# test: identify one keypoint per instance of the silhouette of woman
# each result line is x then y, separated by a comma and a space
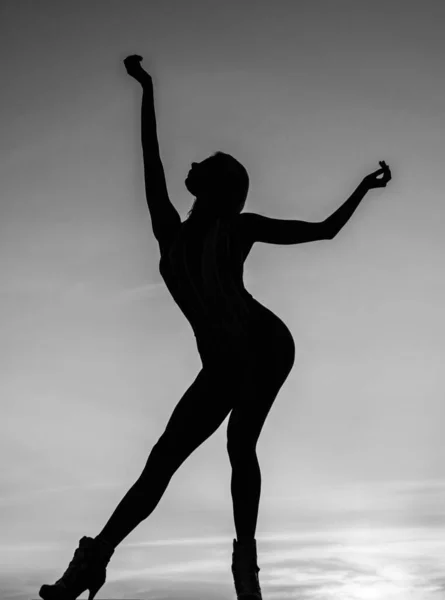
246, 351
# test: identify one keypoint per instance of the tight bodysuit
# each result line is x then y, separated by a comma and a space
203, 270
247, 353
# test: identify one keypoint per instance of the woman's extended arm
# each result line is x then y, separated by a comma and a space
258, 228
164, 216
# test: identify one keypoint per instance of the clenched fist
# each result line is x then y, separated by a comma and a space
134, 69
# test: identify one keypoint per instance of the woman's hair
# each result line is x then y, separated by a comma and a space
231, 182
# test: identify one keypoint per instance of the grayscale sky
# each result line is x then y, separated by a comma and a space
95, 354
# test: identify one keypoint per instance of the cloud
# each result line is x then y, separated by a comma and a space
26, 497
143, 292
352, 564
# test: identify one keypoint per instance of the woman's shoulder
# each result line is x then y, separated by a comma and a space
246, 224
243, 228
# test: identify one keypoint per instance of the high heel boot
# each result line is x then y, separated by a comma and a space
86, 571
245, 571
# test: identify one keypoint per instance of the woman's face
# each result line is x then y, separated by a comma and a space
203, 176
213, 182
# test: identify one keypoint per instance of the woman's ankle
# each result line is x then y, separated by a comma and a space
245, 541
104, 542
245, 544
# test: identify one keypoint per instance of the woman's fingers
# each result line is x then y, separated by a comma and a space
380, 177
385, 168
133, 63
132, 58
376, 173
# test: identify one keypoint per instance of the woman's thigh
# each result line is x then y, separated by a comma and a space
269, 365
243, 378
201, 410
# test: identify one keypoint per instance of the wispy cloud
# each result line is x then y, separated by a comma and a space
79, 290
351, 564
26, 497
144, 291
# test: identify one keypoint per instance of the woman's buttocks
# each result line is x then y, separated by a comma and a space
270, 332
262, 339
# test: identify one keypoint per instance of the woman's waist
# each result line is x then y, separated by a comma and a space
253, 322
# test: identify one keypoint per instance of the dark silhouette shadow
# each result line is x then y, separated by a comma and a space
247, 352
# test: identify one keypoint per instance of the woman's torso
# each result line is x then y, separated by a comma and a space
203, 269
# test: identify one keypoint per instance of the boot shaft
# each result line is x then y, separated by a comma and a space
245, 571
244, 552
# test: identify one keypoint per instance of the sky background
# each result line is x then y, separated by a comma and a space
95, 354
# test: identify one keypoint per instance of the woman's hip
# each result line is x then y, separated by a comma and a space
264, 342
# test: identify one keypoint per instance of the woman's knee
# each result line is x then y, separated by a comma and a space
241, 438
165, 457
241, 452
248, 417
172, 446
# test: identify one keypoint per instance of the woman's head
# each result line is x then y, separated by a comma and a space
220, 184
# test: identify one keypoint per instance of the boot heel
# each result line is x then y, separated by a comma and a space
95, 587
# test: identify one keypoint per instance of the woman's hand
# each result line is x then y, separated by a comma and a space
373, 180
134, 69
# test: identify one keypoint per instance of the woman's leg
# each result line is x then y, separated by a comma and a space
266, 377
196, 417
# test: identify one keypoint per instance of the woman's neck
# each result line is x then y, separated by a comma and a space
201, 215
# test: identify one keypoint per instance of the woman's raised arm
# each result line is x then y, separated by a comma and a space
164, 216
